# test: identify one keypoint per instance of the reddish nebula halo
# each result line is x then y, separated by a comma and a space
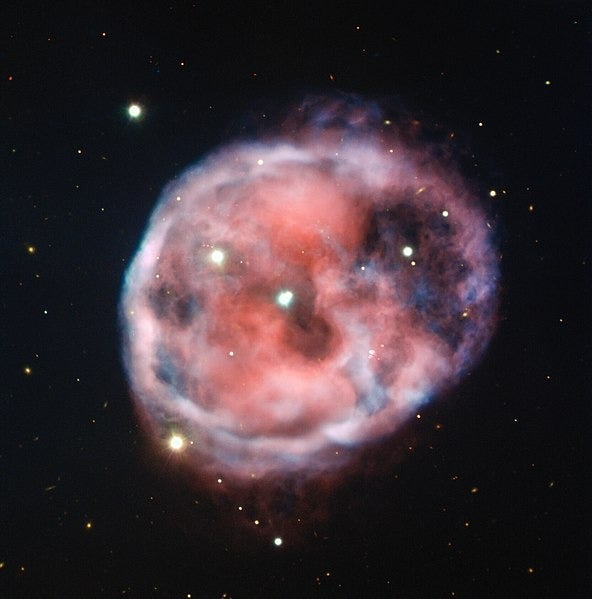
297, 298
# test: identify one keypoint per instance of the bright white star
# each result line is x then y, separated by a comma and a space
176, 442
284, 298
134, 111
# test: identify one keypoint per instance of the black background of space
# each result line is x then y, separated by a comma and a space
516, 430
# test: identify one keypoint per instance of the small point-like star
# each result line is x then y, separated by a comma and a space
284, 298
217, 256
134, 111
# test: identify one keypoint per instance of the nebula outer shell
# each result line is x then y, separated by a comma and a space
392, 278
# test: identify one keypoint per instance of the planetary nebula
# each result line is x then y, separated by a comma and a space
299, 297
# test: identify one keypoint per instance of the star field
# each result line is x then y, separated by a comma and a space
485, 492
